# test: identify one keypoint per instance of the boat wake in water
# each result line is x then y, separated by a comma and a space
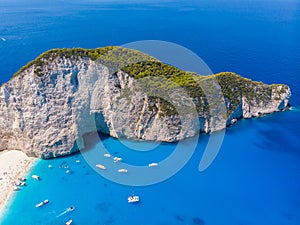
70, 209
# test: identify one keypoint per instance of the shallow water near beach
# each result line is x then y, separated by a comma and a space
255, 179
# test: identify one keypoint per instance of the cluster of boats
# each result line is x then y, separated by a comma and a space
46, 201
131, 199
20, 183
115, 159
118, 159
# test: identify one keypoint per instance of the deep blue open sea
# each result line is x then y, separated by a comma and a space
255, 179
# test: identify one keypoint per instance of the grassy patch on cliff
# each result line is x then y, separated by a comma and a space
111, 56
233, 86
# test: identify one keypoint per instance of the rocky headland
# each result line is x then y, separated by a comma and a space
50, 103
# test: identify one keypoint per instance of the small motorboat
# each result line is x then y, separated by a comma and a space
117, 159
22, 179
107, 155
50, 166
36, 177
19, 183
67, 210
153, 164
100, 166
69, 222
17, 188
233, 121
133, 199
42, 203
122, 171
77, 161
71, 208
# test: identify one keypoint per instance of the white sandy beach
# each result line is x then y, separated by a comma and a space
13, 165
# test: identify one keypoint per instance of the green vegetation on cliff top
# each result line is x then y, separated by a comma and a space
111, 56
143, 66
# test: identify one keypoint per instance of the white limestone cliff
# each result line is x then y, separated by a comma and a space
45, 116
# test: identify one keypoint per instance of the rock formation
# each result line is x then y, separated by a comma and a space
48, 106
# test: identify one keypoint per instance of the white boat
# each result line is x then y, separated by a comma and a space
100, 166
117, 159
122, 171
153, 164
77, 161
133, 199
69, 222
71, 208
50, 166
233, 121
42, 203
36, 177
17, 189
3, 39
19, 183
107, 155
22, 179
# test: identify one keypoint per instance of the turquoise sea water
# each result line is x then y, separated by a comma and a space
255, 179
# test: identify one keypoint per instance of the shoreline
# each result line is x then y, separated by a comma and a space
14, 164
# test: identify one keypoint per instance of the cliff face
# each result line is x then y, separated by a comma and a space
45, 115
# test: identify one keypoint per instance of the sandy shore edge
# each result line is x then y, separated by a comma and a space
13, 165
